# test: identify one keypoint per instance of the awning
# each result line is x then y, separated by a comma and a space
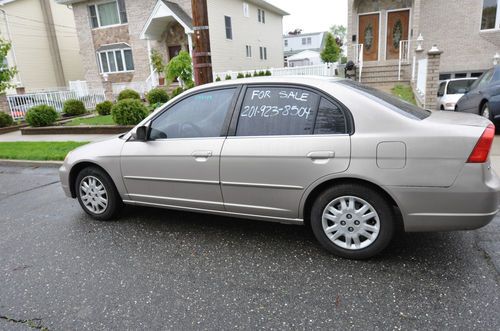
164, 13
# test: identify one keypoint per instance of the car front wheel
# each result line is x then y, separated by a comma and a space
97, 194
352, 221
485, 111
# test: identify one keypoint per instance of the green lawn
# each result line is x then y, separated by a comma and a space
37, 151
404, 92
97, 120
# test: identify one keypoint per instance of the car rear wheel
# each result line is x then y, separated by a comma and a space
352, 221
485, 111
97, 194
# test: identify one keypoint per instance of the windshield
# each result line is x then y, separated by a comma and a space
459, 86
396, 104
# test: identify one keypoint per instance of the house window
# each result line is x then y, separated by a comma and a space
490, 19
229, 28
286, 42
306, 41
261, 16
108, 13
263, 53
246, 10
249, 51
116, 60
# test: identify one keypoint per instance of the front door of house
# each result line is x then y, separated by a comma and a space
398, 26
173, 51
369, 35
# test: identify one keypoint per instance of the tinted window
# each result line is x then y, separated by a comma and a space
402, 107
483, 80
277, 111
330, 119
441, 88
200, 115
459, 86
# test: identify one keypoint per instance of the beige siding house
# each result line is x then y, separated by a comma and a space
116, 36
44, 43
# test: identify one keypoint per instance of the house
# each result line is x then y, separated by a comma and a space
116, 36
467, 32
305, 58
297, 43
44, 44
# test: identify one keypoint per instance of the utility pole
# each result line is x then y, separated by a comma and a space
202, 59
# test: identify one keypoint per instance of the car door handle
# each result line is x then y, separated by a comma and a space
321, 155
202, 154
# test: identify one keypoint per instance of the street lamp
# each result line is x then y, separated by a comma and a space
420, 41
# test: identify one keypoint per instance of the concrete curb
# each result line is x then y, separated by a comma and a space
27, 163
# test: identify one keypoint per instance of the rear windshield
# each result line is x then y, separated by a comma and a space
399, 106
459, 86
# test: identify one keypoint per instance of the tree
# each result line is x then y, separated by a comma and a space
295, 32
331, 52
6, 72
180, 67
339, 32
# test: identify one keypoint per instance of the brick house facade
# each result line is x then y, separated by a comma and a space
466, 31
116, 36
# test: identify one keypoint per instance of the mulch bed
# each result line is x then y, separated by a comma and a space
80, 129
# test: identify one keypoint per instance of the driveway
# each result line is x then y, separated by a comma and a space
158, 269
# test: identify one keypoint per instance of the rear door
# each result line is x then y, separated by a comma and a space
282, 140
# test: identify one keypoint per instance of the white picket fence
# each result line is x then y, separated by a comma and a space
20, 103
314, 70
421, 78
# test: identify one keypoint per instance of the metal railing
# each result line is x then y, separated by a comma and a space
19, 104
357, 58
404, 55
324, 69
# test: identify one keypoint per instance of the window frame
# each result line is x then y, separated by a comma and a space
350, 124
115, 58
497, 18
261, 15
246, 9
263, 53
225, 126
228, 28
248, 49
118, 12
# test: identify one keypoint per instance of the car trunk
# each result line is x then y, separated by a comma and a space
454, 118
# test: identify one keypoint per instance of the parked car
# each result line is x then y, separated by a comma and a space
451, 90
484, 96
353, 163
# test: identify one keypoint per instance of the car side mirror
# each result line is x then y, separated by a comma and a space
440, 94
140, 134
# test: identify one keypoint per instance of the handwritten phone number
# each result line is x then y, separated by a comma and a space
273, 111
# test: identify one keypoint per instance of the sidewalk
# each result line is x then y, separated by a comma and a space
16, 136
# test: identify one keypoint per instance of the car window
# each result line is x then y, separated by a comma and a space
483, 80
277, 111
459, 86
199, 115
395, 104
330, 119
441, 88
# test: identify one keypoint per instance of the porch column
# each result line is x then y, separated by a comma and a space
190, 43
151, 69
432, 84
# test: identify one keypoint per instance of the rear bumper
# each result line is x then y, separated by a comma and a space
470, 203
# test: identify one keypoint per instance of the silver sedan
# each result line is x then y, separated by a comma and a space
352, 163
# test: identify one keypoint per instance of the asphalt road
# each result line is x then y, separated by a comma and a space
157, 269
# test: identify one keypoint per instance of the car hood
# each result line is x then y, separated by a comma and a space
456, 118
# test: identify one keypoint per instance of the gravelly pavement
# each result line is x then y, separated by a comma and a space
157, 269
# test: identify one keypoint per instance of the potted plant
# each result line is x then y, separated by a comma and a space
158, 65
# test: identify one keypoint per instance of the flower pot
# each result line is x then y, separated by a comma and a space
161, 81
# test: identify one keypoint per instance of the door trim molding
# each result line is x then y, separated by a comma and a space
387, 27
379, 13
172, 180
276, 186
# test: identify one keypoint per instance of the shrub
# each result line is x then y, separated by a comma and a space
42, 115
129, 112
240, 75
217, 79
5, 120
128, 94
268, 73
180, 66
189, 85
255, 74
248, 75
157, 95
228, 77
73, 107
177, 91
104, 108
262, 73
152, 107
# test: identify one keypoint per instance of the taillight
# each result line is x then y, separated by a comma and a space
482, 150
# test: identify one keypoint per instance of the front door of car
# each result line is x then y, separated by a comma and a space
475, 96
179, 163
282, 140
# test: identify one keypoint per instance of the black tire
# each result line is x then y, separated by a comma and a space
114, 202
386, 220
485, 107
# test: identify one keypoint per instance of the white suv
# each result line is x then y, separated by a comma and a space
451, 90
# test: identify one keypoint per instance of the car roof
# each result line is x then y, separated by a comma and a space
456, 79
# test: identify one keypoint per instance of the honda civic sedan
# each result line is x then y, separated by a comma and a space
352, 163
